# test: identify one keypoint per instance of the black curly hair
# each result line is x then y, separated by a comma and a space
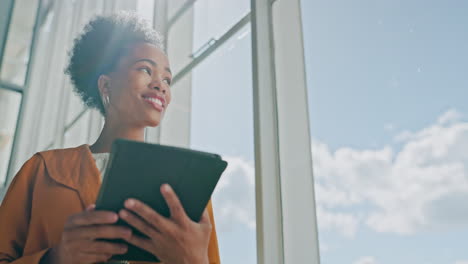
98, 49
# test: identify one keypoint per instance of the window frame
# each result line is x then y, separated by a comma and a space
276, 194
40, 15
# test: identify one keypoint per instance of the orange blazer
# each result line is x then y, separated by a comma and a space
50, 187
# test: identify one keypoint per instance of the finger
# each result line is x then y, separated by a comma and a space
88, 218
101, 247
99, 231
93, 258
173, 202
144, 243
205, 218
90, 207
147, 213
140, 224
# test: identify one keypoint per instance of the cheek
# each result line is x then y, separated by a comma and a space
134, 84
169, 97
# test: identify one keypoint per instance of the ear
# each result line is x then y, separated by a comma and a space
104, 85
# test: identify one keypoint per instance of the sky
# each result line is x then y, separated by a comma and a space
387, 85
387, 90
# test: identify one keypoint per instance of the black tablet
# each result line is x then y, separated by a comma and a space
138, 169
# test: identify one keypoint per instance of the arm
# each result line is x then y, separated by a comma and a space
15, 213
77, 244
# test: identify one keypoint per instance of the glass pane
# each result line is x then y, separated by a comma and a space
222, 122
9, 109
78, 133
387, 94
174, 6
145, 9
16, 56
74, 107
179, 39
213, 18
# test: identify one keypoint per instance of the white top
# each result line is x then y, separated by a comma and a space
101, 162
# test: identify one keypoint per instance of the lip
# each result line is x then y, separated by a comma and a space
155, 105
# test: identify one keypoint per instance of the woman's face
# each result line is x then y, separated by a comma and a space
139, 88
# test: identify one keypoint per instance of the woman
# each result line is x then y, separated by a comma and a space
47, 216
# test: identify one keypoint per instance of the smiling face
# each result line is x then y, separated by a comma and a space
139, 88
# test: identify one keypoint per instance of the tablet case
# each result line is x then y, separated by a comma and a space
138, 169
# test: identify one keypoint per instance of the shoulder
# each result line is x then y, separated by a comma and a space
63, 157
50, 159
64, 152
63, 164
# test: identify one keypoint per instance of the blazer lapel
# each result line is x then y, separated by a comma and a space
76, 169
89, 179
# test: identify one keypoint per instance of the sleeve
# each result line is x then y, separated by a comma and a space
213, 250
15, 212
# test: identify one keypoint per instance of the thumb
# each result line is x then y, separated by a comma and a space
90, 207
205, 218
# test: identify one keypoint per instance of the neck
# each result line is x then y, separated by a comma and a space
111, 131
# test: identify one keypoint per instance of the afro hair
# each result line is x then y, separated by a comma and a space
98, 49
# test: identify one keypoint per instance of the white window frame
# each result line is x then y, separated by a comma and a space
285, 200
285, 203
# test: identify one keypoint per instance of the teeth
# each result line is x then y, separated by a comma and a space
155, 100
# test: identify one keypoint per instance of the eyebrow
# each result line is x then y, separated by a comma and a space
152, 62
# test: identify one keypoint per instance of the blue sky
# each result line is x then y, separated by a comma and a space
387, 84
377, 62
376, 69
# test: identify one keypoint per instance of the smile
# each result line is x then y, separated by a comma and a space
155, 102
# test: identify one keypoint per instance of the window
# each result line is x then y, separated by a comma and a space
213, 18
9, 107
222, 122
16, 33
16, 54
387, 94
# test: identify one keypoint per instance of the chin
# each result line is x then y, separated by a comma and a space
153, 123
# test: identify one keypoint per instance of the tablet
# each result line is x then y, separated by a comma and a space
138, 169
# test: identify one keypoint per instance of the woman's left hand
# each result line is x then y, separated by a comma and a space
175, 240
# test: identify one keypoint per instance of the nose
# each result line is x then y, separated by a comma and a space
158, 88
157, 85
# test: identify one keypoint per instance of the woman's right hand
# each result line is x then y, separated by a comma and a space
78, 243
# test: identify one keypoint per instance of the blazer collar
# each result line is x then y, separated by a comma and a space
75, 168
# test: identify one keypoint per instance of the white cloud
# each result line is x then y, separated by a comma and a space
461, 262
345, 223
425, 185
449, 117
234, 197
366, 260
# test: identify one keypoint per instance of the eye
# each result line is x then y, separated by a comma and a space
146, 69
167, 81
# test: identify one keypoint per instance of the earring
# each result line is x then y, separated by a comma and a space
106, 101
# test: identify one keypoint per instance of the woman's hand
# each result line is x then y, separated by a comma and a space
175, 240
78, 243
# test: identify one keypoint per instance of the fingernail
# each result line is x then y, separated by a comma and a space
130, 203
123, 248
166, 187
113, 217
123, 213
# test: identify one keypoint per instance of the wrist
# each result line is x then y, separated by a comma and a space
202, 260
